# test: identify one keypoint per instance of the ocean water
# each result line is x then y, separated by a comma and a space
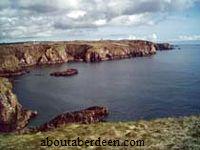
163, 85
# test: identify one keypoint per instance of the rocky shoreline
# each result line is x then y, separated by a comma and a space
13, 116
16, 58
87, 116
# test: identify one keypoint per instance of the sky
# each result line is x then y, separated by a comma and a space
48, 20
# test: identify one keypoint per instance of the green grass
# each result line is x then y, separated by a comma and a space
5, 85
167, 133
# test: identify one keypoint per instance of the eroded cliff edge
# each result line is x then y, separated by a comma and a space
13, 116
15, 57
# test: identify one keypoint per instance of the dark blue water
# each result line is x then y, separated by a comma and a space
166, 84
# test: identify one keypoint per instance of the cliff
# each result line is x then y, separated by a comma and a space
12, 116
15, 57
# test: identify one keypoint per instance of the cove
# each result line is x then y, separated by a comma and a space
163, 85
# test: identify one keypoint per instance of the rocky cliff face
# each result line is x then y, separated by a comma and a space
109, 50
15, 57
12, 116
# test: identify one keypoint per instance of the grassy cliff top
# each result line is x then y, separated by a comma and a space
168, 133
5, 85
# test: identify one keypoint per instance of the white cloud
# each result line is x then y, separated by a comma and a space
29, 18
154, 37
100, 22
132, 37
151, 37
76, 14
189, 37
136, 19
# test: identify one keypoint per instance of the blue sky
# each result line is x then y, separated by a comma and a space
155, 20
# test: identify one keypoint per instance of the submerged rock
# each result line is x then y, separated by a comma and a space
12, 116
86, 116
68, 72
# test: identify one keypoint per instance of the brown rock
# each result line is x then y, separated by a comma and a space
9, 73
29, 59
68, 72
86, 116
12, 116
163, 46
77, 50
42, 60
93, 57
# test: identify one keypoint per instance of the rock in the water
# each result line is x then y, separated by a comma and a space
12, 116
68, 72
9, 73
86, 116
163, 46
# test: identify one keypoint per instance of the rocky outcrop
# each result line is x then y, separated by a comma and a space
110, 50
86, 116
68, 72
12, 116
93, 57
10, 73
163, 46
76, 51
15, 57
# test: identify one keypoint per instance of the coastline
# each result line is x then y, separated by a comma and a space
16, 58
157, 133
